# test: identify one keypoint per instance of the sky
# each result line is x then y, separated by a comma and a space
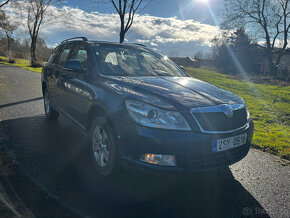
173, 27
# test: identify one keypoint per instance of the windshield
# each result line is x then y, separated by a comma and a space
115, 60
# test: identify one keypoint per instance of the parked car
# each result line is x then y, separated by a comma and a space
141, 110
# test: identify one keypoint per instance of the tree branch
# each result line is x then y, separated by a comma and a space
277, 30
115, 6
129, 7
4, 3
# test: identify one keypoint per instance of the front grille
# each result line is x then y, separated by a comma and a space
219, 121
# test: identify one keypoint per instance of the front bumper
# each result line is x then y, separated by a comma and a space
192, 150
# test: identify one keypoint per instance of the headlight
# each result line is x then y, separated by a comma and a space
148, 115
248, 113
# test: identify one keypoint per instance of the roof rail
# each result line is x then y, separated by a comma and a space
138, 44
83, 38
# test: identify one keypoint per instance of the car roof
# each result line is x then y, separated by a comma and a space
94, 42
115, 43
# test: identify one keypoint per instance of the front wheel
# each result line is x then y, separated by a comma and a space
102, 147
50, 113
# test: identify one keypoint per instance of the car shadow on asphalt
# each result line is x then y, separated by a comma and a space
55, 177
20, 102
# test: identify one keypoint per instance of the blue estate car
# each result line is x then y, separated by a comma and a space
141, 110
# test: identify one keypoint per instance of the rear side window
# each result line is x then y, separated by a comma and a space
79, 53
63, 54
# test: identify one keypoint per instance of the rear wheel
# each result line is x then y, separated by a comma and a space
102, 147
50, 113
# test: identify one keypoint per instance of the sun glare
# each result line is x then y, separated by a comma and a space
203, 1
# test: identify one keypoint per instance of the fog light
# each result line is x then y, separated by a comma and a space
159, 159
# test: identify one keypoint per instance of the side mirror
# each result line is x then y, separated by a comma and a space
182, 68
74, 65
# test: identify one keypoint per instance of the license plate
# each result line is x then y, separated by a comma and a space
228, 143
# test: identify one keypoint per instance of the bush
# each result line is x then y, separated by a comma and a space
11, 61
37, 65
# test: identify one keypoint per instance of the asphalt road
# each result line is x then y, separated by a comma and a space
53, 176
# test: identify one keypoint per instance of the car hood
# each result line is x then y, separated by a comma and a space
180, 92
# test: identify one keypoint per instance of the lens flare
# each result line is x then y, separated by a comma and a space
203, 1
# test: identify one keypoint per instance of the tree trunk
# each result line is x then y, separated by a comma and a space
32, 53
122, 36
122, 29
280, 55
272, 67
8, 47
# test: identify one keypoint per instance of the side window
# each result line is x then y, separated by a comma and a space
62, 56
79, 53
52, 55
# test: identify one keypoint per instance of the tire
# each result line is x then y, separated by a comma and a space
50, 113
103, 148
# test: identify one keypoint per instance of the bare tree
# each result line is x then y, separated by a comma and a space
129, 8
8, 29
34, 12
4, 3
268, 19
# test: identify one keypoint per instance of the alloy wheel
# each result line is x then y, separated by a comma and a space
46, 103
100, 146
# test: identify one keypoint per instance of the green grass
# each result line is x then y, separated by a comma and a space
20, 63
269, 106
